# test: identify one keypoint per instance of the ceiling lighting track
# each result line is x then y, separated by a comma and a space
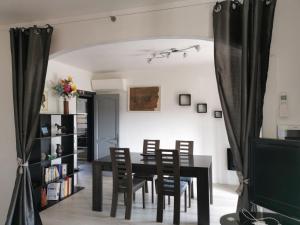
167, 53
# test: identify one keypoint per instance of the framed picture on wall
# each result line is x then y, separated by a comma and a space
218, 114
185, 99
144, 99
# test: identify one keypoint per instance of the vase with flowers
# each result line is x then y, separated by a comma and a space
66, 89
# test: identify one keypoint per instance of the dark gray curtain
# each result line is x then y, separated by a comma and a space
30, 53
242, 36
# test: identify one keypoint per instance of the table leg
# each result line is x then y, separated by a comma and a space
203, 197
97, 187
211, 185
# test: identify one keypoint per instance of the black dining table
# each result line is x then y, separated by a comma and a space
198, 166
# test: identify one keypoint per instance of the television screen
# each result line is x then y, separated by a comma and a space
275, 175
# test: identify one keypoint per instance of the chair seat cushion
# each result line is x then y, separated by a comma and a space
183, 186
169, 186
137, 183
186, 179
148, 177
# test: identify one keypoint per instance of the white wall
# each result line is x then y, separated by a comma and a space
284, 73
175, 122
57, 71
8, 156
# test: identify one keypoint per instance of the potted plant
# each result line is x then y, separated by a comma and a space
66, 89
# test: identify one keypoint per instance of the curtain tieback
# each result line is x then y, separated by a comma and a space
21, 165
243, 181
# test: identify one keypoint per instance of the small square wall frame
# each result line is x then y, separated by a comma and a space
218, 114
185, 100
201, 108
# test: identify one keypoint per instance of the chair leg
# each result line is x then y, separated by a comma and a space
169, 200
185, 201
125, 200
128, 205
143, 193
114, 203
176, 216
146, 186
152, 191
159, 214
133, 197
192, 189
164, 202
190, 193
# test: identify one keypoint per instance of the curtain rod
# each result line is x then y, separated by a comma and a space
136, 13
107, 15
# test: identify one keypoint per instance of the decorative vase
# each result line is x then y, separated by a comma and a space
66, 106
59, 150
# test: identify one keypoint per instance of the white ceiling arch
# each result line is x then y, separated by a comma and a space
132, 55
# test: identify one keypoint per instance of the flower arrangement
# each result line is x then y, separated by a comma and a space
66, 88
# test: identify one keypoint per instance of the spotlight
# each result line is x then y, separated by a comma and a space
197, 47
168, 55
149, 60
184, 55
113, 19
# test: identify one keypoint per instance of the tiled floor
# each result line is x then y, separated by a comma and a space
77, 210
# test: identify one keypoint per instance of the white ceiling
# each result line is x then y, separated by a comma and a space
133, 55
25, 11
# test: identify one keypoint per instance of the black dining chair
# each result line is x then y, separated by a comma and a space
123, 182
168, 182
186, 148
149, 147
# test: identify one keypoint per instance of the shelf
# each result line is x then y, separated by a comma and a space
56, 180
83, 137
61, 157
49, 160
59, 135
51, 203
61, 114
44, 145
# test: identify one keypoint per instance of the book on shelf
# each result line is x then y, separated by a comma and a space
53, 191
43, 197
51, 174
66, 187
55, 172
64, 169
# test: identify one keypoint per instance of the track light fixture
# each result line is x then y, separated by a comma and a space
167, 53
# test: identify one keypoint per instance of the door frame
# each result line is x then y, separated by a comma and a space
96, 155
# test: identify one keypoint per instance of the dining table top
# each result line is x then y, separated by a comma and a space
192, 161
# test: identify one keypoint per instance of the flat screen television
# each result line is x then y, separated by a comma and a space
275, 176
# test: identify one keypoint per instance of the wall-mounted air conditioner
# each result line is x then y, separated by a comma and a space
109, 85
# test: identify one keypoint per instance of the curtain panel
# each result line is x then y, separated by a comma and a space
30, 52
242, 39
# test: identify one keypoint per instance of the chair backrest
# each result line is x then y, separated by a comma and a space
150, 146
185, 147
121, 168
168, 171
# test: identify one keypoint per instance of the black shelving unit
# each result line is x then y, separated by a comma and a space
82, 139
85, 125
45, 145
